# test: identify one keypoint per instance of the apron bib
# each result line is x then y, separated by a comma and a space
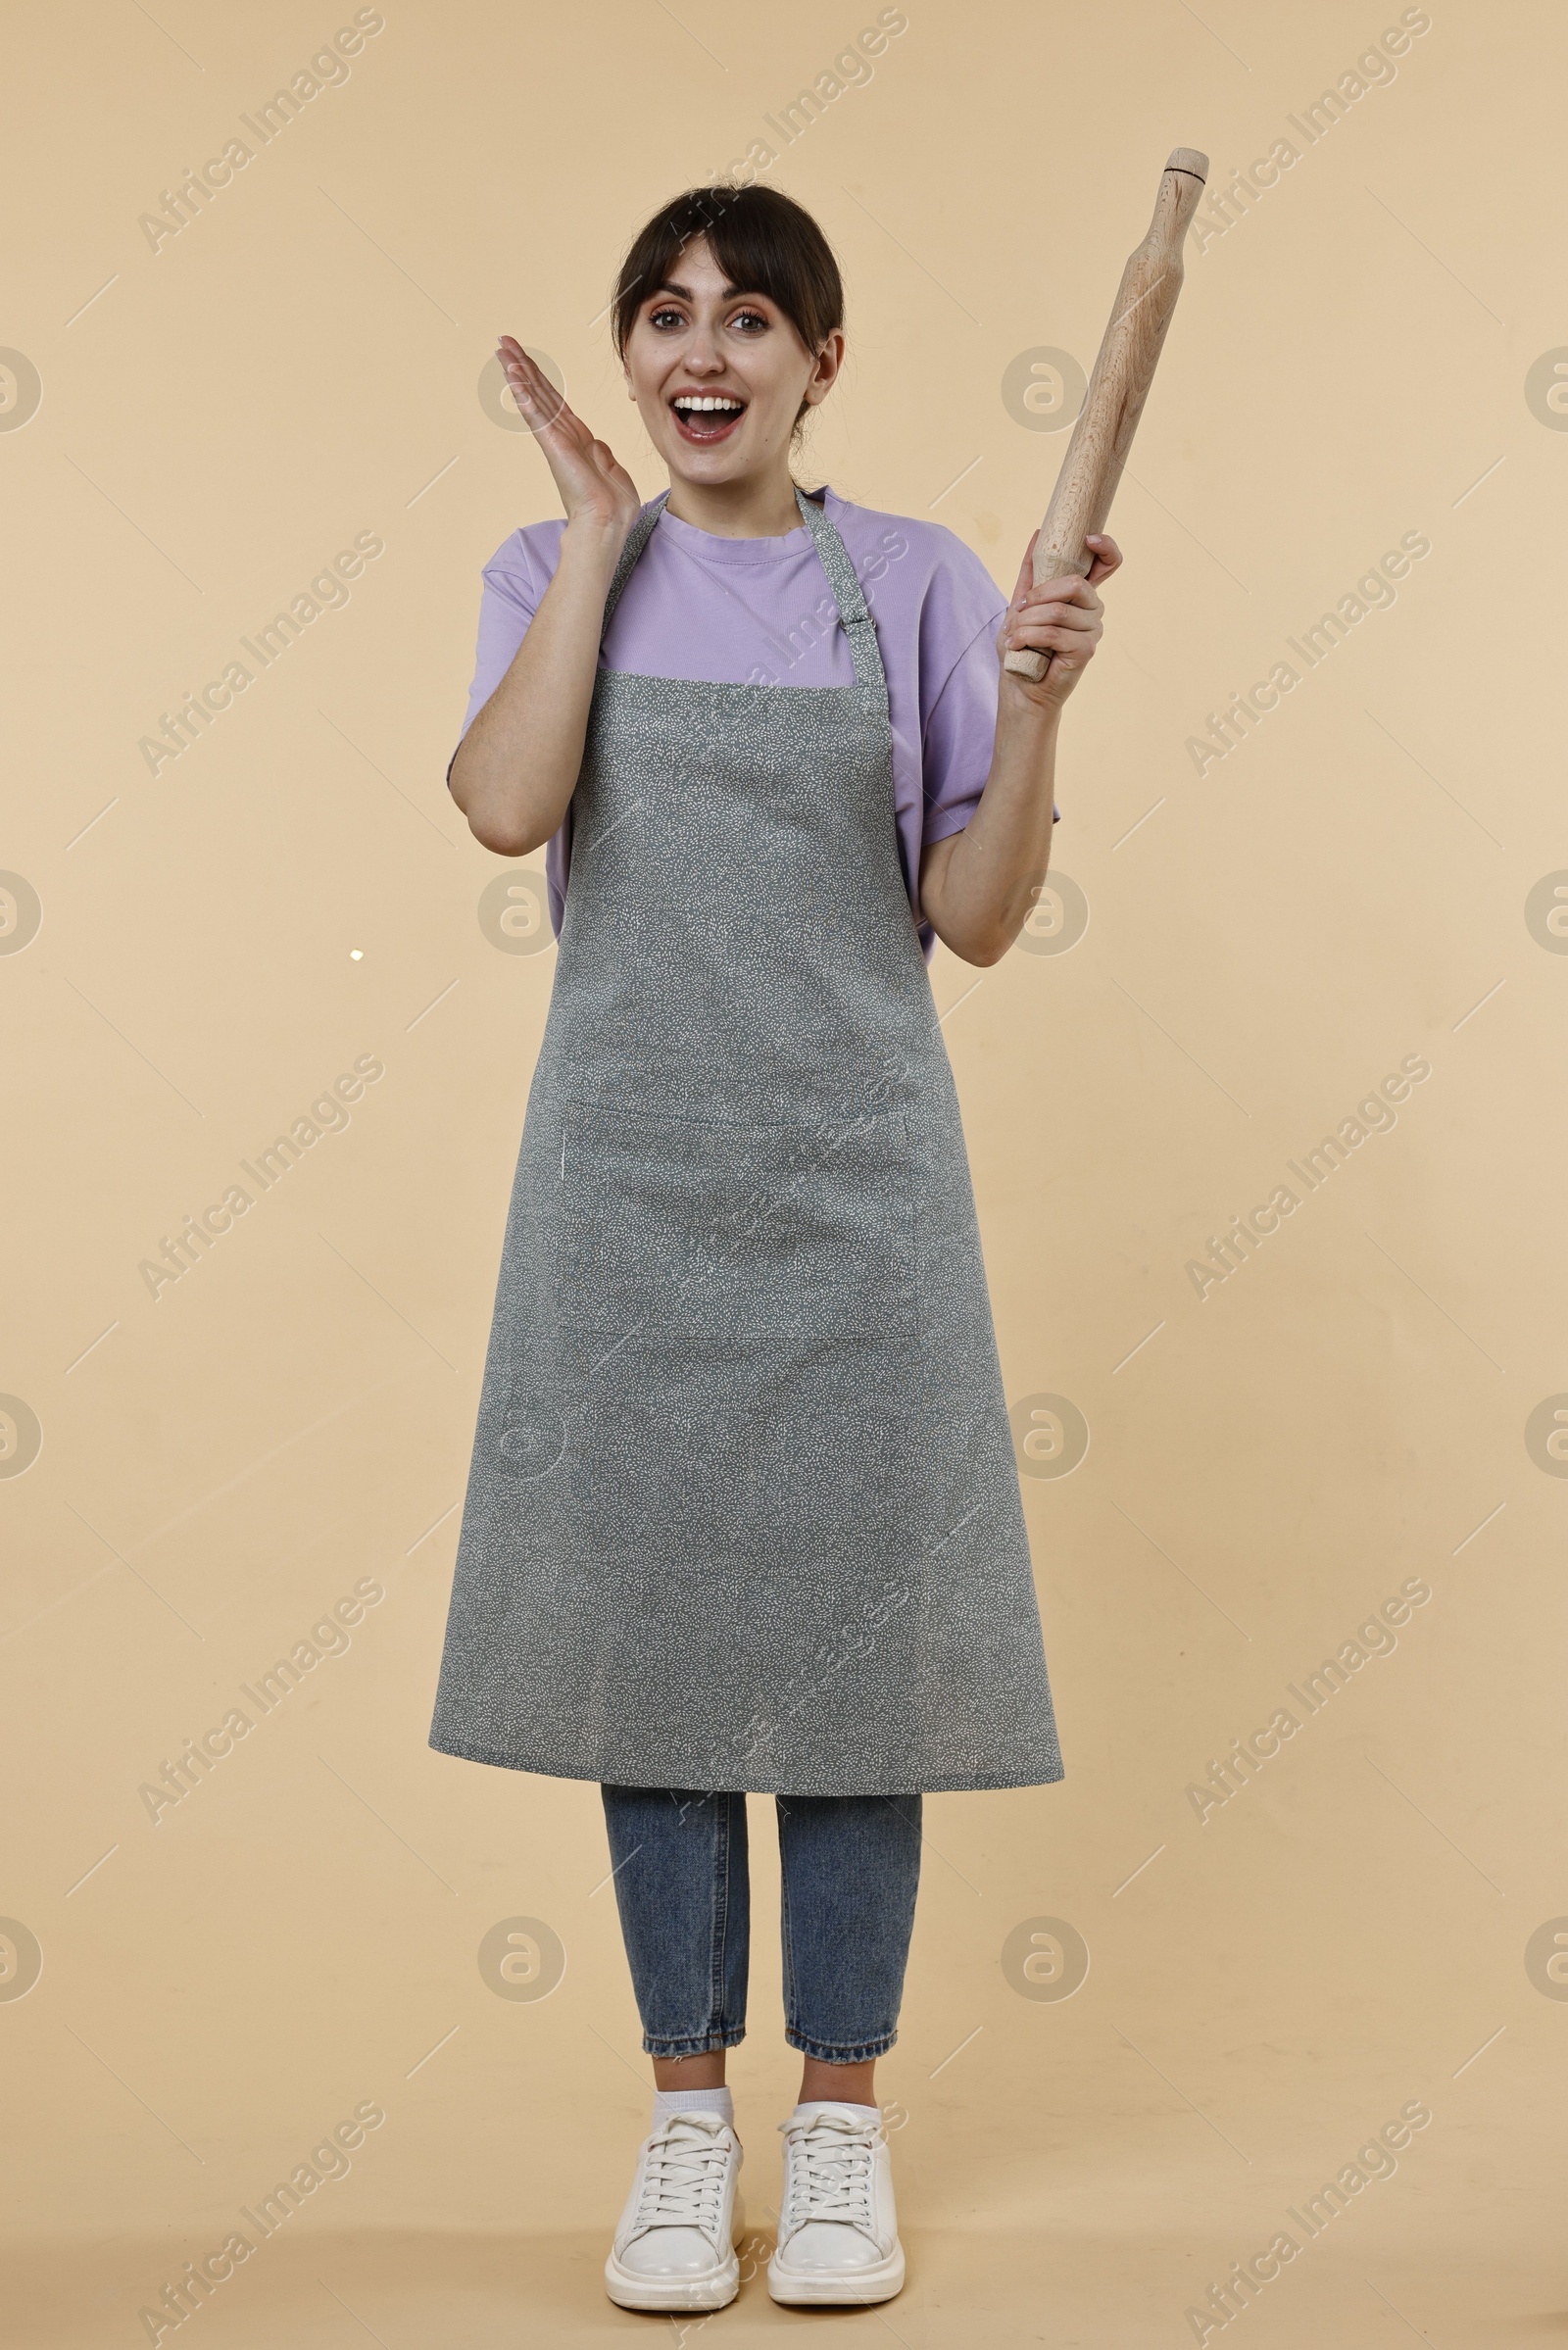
742, 1511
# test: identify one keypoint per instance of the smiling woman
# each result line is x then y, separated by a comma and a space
743, 1512
760, 244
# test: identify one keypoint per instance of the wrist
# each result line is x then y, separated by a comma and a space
1024, 706
591, 543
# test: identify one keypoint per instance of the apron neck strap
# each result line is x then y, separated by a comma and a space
865, 654
858, 626
637, 539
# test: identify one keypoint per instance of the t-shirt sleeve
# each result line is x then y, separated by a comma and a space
961, 720
513, 589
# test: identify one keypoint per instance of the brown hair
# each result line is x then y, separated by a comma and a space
764, 242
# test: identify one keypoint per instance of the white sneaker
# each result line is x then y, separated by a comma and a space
674, 2247
838, 2233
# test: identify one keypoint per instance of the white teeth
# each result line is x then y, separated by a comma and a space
687, 400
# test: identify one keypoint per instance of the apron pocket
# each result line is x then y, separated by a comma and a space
731, 1240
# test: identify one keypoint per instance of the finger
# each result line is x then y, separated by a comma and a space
1068, 663
539, 405
537, 398
1107, 559
1070, 588
527, 379
517, 362
508, 349
1041, 636
1066, 616
1080, 600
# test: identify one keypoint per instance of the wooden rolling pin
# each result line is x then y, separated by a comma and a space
1080, 502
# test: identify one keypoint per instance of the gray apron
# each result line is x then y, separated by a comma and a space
742, 1511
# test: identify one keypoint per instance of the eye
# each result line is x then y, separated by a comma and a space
666, 317
752, 321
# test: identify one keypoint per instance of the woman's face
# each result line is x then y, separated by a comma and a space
699, 339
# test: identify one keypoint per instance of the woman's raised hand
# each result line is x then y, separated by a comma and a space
595, 489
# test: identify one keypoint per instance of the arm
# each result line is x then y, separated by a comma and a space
978, 886
516, 768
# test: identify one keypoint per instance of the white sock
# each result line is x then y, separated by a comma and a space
835, 2105
694, 2102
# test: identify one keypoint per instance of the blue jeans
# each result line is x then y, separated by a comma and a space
849, 1865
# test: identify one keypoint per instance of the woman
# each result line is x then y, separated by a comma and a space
742, 1511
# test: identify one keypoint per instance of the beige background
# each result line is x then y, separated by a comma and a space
1266, 1464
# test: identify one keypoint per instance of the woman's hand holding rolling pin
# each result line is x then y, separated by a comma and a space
597, 490
1063, 617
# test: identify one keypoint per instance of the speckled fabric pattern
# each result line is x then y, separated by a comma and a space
742, 1510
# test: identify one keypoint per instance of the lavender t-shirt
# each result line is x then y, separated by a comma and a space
759, 612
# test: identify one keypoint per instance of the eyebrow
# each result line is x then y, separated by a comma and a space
732, 293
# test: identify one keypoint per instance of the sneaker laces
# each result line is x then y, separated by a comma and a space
830, 2170
683, 2174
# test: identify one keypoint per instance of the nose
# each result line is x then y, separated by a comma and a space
701, 354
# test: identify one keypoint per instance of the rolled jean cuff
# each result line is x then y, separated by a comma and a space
693, 2045
826, 2053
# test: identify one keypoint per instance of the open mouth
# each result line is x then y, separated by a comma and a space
704, 417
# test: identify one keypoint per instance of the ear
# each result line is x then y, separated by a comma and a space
825, 368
